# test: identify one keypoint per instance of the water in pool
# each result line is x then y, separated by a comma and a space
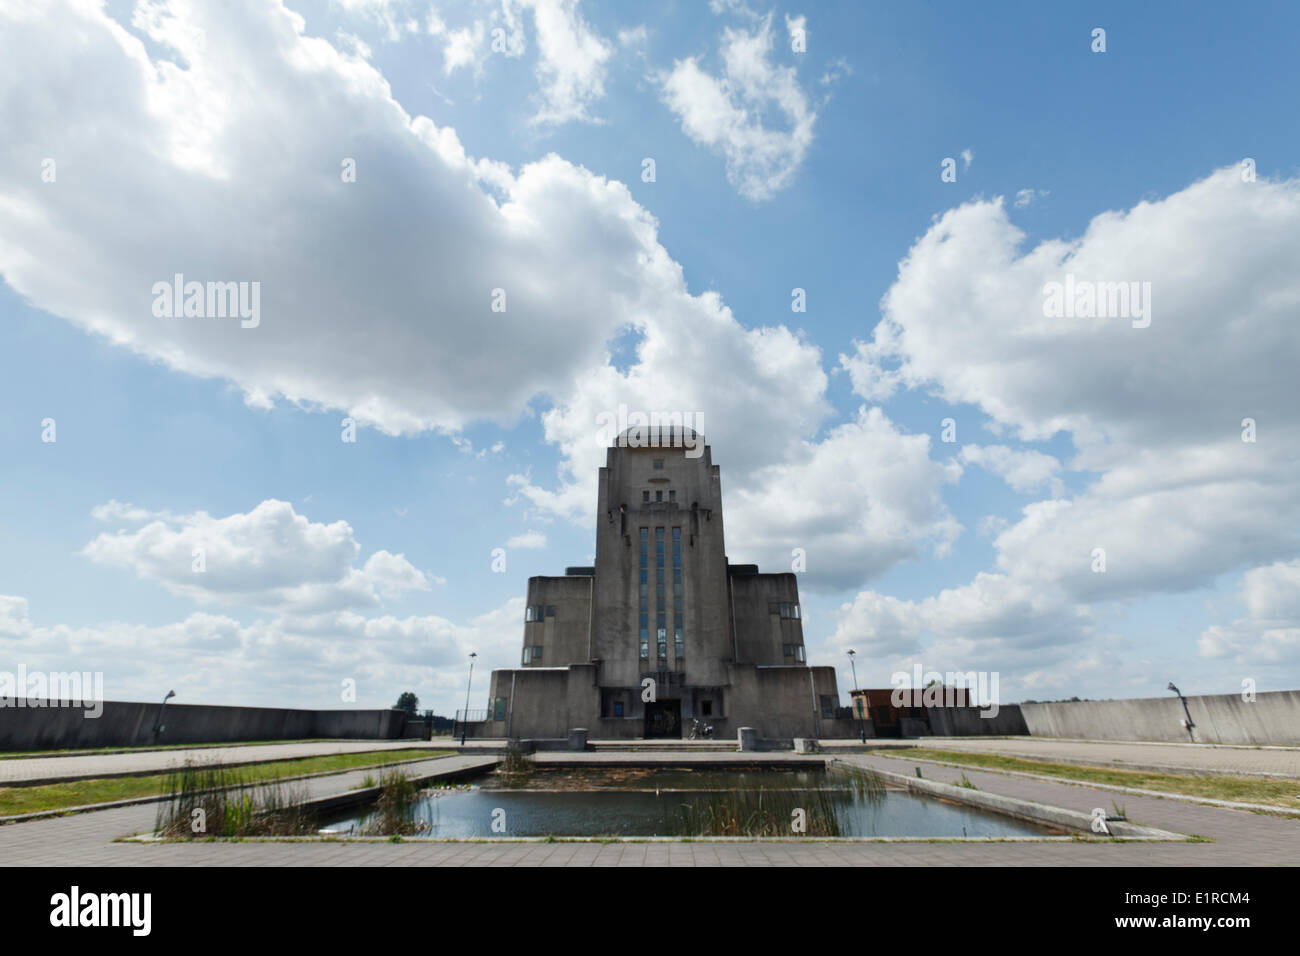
668, 802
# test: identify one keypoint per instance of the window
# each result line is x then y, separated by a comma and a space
645, 496
672, 496
534, 612
532, 654
659, 496
828, 707
550, 610
659, 464
798, 653
706, 708
499, 708
528, 655
679, 646
784, 609
537, 653
618, 708
645, 648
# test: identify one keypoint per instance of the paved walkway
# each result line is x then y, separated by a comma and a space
84, 766
1241, 838
1176, 758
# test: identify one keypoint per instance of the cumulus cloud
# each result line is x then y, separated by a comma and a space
1269, 633
733, 113
1157, 412
287, 661
527, 540
1023, 470
271, 558
376, 295
571, 62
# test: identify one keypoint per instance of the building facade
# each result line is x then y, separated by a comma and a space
662, 630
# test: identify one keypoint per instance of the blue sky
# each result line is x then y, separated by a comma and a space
821, 173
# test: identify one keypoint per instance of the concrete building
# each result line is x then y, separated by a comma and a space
663, 630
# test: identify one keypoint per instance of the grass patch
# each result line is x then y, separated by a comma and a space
73, 793
1272, 791
209, 800
770, 813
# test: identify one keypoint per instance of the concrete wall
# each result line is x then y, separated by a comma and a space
125, 724
967, 722
1272, 719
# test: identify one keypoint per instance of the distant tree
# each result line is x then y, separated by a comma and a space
408, 702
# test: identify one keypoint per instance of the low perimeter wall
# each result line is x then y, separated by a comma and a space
24, 726
1271, 719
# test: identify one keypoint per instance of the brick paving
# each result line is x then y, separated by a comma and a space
1240, 837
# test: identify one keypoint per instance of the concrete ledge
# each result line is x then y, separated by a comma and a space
1022, 809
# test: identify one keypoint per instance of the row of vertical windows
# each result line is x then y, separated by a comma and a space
661, 595
532, 654
659, 496
537, 612
784, 609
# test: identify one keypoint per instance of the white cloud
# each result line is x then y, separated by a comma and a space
571, 62
1024, 470
386, 312
967, 157
270, 557
288, 661
730, 113
1270, 631
529, 539
1179, 498
1026, 196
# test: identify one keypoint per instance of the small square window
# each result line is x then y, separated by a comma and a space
618, 708
550, 610
706, 708
659, 464
645, 650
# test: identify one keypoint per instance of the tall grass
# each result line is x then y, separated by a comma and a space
516, 767
395, 808
773, 813
209, 800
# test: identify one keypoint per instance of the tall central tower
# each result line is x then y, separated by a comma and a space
662, 630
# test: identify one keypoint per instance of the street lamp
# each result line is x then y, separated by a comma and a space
861, 703
1187, 712
158, 724
464, 724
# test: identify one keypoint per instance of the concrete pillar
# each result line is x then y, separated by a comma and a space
578, 738
747, 738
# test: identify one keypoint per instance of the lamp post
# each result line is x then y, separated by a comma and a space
861, 704
465, 717
1188, 713
158, 724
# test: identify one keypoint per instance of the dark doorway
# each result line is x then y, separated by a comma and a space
663, 718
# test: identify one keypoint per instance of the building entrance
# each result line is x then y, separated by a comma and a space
663, 718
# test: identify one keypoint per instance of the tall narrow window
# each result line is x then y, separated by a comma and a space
644, 607
680, 648
661, 614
